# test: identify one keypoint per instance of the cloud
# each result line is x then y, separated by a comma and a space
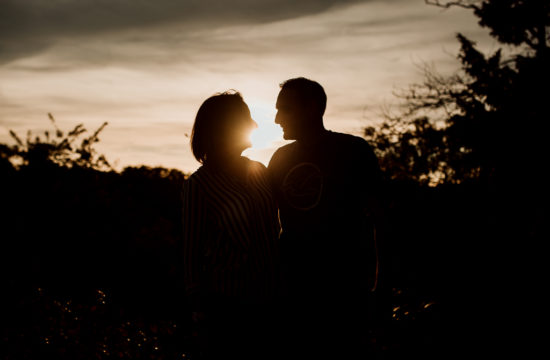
29, 26
148, 81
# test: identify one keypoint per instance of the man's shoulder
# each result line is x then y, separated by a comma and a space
353, 149
285, 148
282, 153
349, 145
349, 139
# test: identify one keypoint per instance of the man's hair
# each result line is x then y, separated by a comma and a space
308, 90
212, 122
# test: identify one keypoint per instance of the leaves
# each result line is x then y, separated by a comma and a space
61, 150
16, 138
460, 127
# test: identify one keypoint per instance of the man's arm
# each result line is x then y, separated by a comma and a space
375, 207
372, 199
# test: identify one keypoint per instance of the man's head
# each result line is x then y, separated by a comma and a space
300, 107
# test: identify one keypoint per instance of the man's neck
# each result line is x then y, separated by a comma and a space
313, 135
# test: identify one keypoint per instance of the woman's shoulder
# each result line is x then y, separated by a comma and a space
254, 166
197, 177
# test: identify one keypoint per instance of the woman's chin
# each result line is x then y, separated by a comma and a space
246, 144
242, 148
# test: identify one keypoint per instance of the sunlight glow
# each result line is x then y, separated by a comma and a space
268, 136
267, 132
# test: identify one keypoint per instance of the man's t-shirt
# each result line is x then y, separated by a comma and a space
324, 191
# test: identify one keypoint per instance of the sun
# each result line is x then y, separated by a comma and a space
267, 131
268, 136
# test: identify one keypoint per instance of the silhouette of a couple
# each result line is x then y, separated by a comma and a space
278, 261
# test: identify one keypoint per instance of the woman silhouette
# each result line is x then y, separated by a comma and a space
231, 227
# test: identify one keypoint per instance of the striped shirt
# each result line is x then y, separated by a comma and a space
230, 234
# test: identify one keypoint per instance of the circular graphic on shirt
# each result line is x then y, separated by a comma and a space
302, 186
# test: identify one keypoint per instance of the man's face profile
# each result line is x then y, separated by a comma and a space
289, 114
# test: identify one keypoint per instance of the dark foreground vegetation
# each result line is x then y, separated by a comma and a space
89, 255
90, 259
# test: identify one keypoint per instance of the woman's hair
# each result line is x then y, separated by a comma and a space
213, 121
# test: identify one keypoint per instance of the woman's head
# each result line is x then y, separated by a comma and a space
222, 125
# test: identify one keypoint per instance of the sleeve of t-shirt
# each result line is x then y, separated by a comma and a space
272, 172
371, 177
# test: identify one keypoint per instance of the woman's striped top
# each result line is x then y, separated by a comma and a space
230, 234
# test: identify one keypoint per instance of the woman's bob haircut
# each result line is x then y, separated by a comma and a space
213, 122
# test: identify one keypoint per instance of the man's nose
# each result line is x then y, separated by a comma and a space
277, 118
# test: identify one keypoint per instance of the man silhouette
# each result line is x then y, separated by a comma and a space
326, 184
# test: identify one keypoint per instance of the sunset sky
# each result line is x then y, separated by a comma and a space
146, 66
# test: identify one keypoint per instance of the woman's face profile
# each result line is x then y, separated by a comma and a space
239, 128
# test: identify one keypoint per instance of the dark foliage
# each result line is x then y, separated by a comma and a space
486, 122
478, 139
90, 262
89, 256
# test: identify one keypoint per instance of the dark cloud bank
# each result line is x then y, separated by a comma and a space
29, 26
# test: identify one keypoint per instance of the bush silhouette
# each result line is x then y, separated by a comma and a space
89, 253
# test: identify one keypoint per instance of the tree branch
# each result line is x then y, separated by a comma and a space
461, 3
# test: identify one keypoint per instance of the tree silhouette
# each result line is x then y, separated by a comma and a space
88, 265
479, 135
484, 122
61, 149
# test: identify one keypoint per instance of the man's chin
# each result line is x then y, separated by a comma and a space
288, 136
